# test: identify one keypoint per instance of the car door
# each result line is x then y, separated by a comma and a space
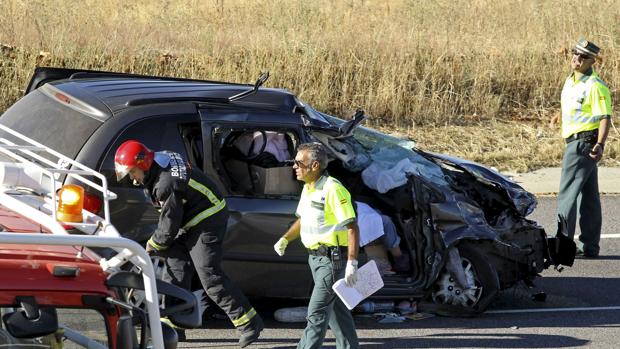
257, 218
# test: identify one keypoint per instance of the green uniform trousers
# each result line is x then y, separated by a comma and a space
579, 192
326, 308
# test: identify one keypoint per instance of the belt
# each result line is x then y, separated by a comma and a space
324, 250
590, 136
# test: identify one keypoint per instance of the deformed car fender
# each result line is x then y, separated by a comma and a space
449, 218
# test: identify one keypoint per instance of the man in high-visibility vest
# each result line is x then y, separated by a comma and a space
191, 228
586, 118
329, 231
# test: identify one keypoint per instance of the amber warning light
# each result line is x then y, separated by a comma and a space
70, 203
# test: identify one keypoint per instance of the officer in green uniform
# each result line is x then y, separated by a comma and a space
586, 113
329, 231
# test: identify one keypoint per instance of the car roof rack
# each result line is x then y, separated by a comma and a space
224, 100
145, 101
29, 153
88, 74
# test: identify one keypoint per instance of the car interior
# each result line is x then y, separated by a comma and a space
396, 205
259, 162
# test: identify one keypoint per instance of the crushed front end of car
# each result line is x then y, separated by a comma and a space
464, 223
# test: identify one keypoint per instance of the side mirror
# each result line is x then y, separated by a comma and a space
348, 127
562, 249
30, 321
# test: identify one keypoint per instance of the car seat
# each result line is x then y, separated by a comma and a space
259, 162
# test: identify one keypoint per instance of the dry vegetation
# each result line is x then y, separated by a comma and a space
473, 78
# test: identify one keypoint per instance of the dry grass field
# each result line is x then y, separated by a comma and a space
474, 78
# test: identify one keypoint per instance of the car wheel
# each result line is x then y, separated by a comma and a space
454, 299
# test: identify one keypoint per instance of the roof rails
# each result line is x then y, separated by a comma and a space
224, 100
87, 74
30, 154
145, 101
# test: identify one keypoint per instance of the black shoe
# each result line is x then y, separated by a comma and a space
590, 255
250, 335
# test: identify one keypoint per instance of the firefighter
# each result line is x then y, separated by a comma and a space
191, 228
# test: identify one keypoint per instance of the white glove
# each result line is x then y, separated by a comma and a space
280, 246
350, 274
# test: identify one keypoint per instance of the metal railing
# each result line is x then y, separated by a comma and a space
31, 153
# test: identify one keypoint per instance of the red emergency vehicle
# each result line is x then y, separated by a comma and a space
57, 290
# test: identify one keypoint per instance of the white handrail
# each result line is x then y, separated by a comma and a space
108, 236
10, 149
148, 272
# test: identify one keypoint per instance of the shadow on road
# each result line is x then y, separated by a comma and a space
495, 340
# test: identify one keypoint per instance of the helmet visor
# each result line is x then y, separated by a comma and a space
121, 171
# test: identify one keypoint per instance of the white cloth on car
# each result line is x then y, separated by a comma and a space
382, 177
369, 223
276, 144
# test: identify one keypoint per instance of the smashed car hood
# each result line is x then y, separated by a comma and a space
524, 201
385, 162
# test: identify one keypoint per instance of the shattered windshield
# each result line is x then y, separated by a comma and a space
369, 138
385, 161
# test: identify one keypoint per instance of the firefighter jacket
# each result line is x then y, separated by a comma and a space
187, 198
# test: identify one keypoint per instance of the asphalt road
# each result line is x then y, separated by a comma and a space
582, 309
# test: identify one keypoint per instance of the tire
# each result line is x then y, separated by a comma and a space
453, 300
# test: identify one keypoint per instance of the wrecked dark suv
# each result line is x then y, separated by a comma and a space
463, 225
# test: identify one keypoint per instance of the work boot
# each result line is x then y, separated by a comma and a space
252, 332
401, 263
590, 255
179, 330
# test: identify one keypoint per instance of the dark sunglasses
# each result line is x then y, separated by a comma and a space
300, 164
580, 55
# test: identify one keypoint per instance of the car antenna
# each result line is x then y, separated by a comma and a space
261, 80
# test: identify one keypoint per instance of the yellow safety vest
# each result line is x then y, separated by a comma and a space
585, 103
325, 210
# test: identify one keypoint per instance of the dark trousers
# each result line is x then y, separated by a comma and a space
579, 193
325, 308
200, 249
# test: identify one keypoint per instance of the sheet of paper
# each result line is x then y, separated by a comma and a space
368, 282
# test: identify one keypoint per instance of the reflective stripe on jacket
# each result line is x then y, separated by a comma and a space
585, 103
187, 197
325, 211
218, 204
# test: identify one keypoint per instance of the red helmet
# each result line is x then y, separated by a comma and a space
132, 154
